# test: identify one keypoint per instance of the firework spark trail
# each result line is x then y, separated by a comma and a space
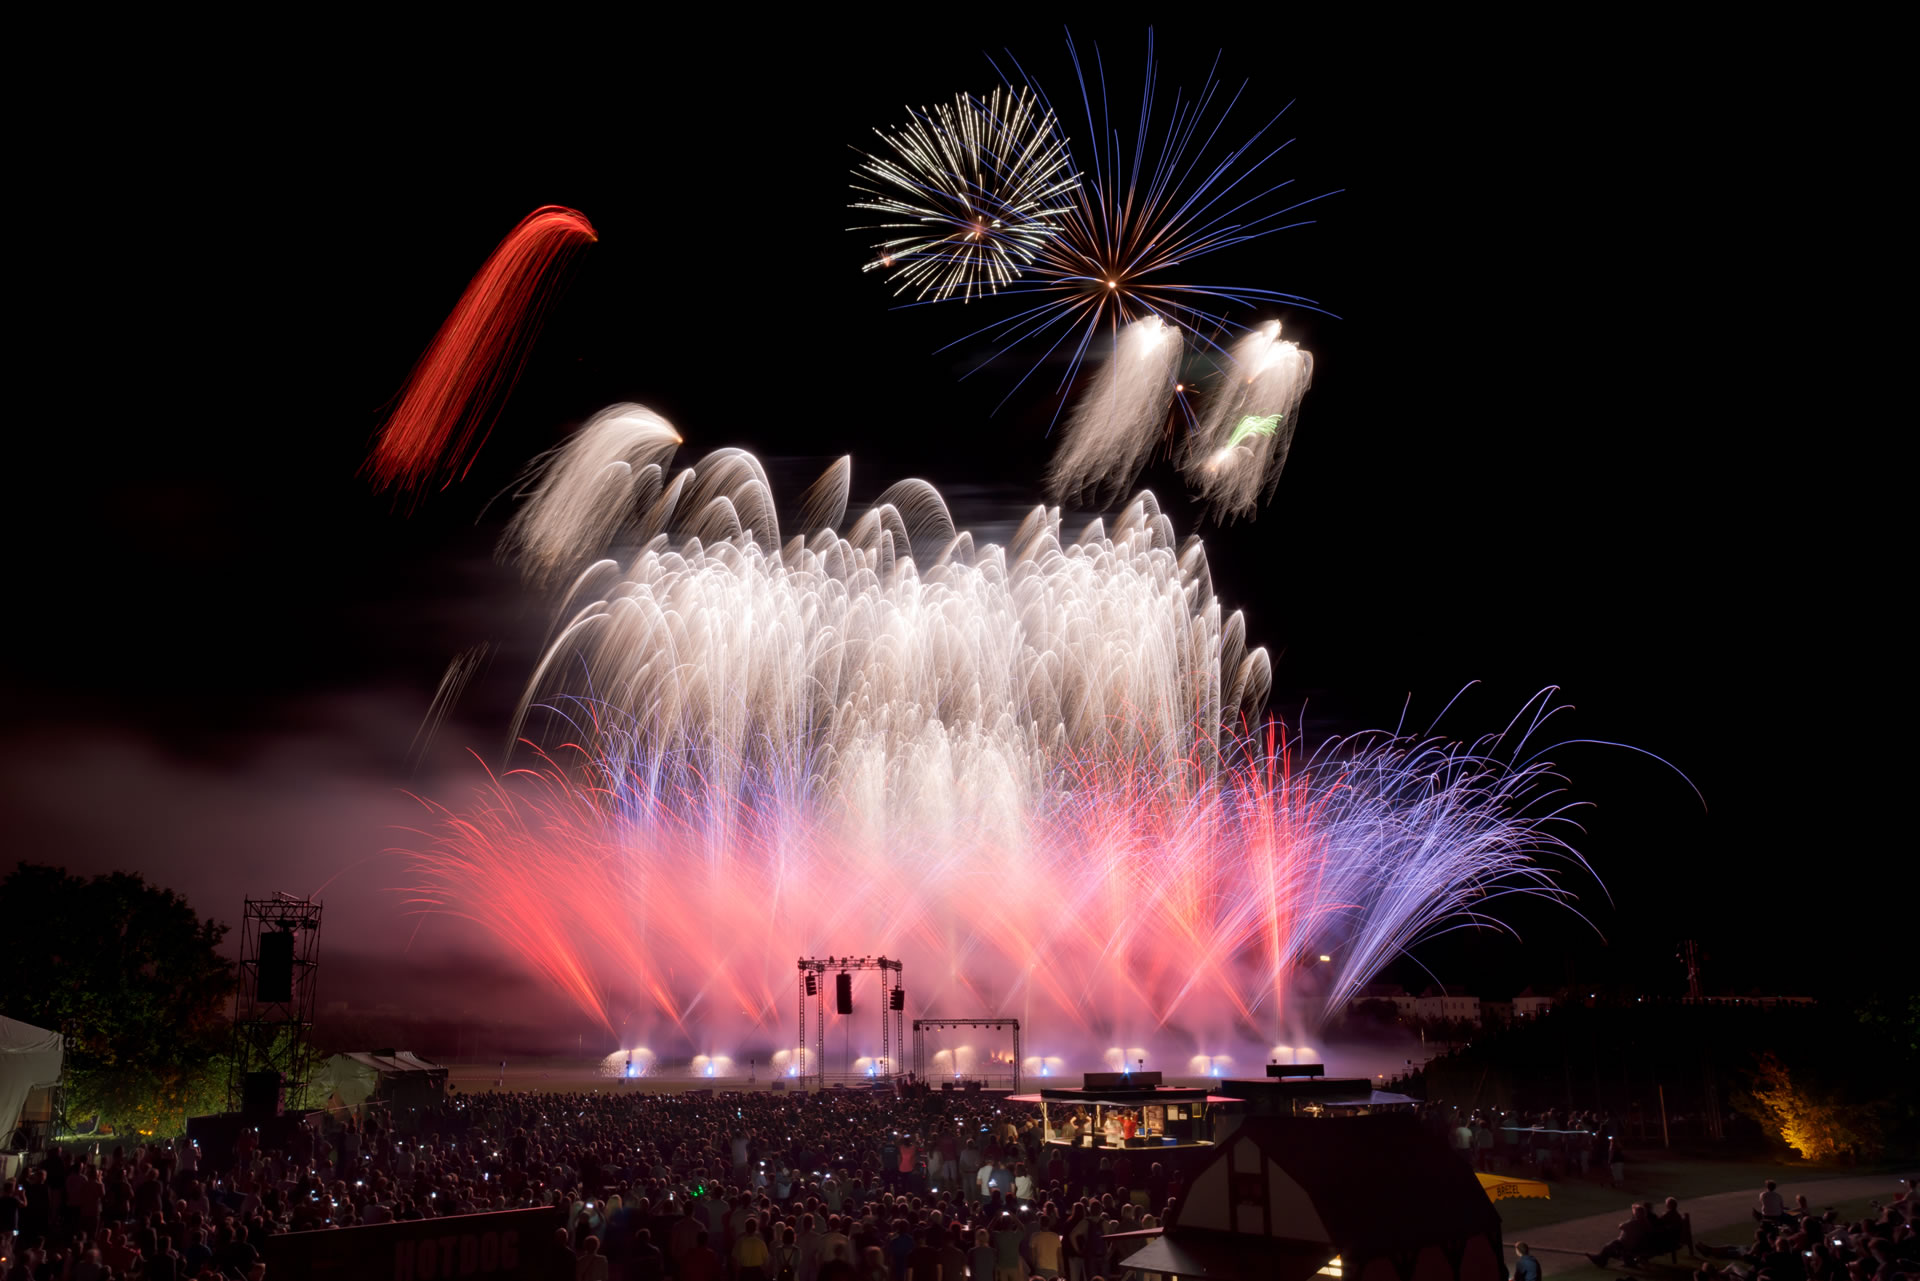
976, 188
1017, 765
836, 662
456, 391
1235, 453
1116, 910
588, 486
1120, 417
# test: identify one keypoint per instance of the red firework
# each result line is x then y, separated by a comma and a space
457, 389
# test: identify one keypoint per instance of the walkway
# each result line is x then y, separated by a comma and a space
1562, 1247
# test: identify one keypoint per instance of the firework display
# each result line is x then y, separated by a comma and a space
969, 194
1036, 771
1234, 454
456, 390
1039, 771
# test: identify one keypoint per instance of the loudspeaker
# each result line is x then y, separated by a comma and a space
275, 981
813, 985
260, 1094
897, 1000
843, 993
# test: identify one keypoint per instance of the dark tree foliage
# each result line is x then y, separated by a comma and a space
1846, 1065
133, 977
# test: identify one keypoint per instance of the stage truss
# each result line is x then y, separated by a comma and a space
920, 1027
270, 1034
893, 1038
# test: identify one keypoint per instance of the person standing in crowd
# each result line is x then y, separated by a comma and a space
750, 1254
981, 1258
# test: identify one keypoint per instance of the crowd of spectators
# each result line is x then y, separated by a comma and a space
833, 1186
1546, 1145
1793, 1243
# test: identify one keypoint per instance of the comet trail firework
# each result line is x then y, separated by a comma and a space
1233, 456
1121, 415
454, 393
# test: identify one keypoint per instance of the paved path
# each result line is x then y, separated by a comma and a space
1562, 1247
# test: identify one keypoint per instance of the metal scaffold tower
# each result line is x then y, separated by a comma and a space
813, 1013
273, 1008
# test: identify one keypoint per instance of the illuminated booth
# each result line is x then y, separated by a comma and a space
1295, 1198
1126, 1110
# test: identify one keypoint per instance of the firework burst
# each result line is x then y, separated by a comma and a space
1140, 220
969, 194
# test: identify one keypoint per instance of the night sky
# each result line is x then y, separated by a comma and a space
1519, 463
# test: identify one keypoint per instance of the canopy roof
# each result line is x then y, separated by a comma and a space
30, 1057
392, 1062
1327, 1181
1225, 1256
1122, 1098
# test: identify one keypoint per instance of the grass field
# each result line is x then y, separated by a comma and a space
1730, 1233
1681, 1177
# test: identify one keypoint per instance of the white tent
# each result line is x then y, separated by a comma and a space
352, 1079
29, 1059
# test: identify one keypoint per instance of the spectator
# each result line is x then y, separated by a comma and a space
1007, 1240
1043, 1248
785, 1263
648, 1261
592, 1265
1631, 1243
923, 1261
700, 1263
1525, 1266
750, 1254
981, 1259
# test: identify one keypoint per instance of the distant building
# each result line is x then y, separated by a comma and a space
1496, 1012
1752, 999
1403, 1001
1436, 1006
1531, 1004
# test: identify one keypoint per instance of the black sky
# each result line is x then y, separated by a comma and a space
1524, 461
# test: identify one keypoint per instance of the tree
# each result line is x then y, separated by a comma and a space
1813, 1121
134, 978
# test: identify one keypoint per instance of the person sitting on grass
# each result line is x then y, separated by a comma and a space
1631, 1245
1526, 1267
1670, 1229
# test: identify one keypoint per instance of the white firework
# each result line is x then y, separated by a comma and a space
969, 193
